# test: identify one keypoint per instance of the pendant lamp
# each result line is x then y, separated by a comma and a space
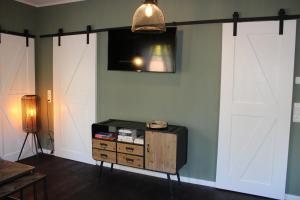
148, 18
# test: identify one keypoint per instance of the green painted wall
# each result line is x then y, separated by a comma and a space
189, 97
15, 16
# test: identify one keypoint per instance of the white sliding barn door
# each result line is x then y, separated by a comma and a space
17, 78
74, 92
255, 108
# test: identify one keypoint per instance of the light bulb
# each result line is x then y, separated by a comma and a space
138, 61
148, 10
30, 112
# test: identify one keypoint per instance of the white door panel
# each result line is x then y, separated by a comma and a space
255, 108
17, 78
74, 87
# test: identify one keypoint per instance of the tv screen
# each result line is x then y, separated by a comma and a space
142, 52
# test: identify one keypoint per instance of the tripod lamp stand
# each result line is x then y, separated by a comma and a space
30, 121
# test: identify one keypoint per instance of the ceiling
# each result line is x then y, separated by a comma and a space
41, 3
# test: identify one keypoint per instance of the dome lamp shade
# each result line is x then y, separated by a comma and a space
148, 18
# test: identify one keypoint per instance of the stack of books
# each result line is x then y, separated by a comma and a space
106, 136
130, 136
126, 135
139, 140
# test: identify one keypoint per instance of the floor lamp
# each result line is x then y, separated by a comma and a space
30, 120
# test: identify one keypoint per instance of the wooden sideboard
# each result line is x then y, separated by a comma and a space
164, 150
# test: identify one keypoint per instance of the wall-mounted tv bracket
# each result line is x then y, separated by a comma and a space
26, 33
282, 17
88, 31
60, 33
236, 17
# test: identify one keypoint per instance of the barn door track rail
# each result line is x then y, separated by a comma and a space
25, 34
235, 20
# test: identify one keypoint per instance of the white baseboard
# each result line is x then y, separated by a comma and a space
291, 197
14, 156
199, 182
162, 175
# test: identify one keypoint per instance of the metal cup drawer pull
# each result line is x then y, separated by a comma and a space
129, 149
103, 145
132, 149
129, 160
103, 156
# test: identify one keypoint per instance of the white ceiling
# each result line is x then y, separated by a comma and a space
41, 3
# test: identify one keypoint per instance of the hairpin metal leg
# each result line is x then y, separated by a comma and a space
170, 185
23, 146
178, 178
100, 172
45, 189
111, 167
21, 194
34, 192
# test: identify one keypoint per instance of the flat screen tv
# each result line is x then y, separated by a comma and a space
142, 52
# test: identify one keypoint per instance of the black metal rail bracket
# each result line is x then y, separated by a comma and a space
236, 17
60, 33
282, 17
26, 34
88, 31
22, 34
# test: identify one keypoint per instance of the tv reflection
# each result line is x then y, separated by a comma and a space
157, 58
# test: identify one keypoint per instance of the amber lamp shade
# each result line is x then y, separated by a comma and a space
30, 113
148, 18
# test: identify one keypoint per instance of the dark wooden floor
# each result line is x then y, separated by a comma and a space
74, 180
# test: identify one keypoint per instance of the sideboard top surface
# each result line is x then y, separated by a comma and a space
135, 125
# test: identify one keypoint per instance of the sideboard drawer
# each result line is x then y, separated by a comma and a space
130, 160
104, 144
106, 156
131, 149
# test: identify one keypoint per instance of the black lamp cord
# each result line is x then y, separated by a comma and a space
48, 129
